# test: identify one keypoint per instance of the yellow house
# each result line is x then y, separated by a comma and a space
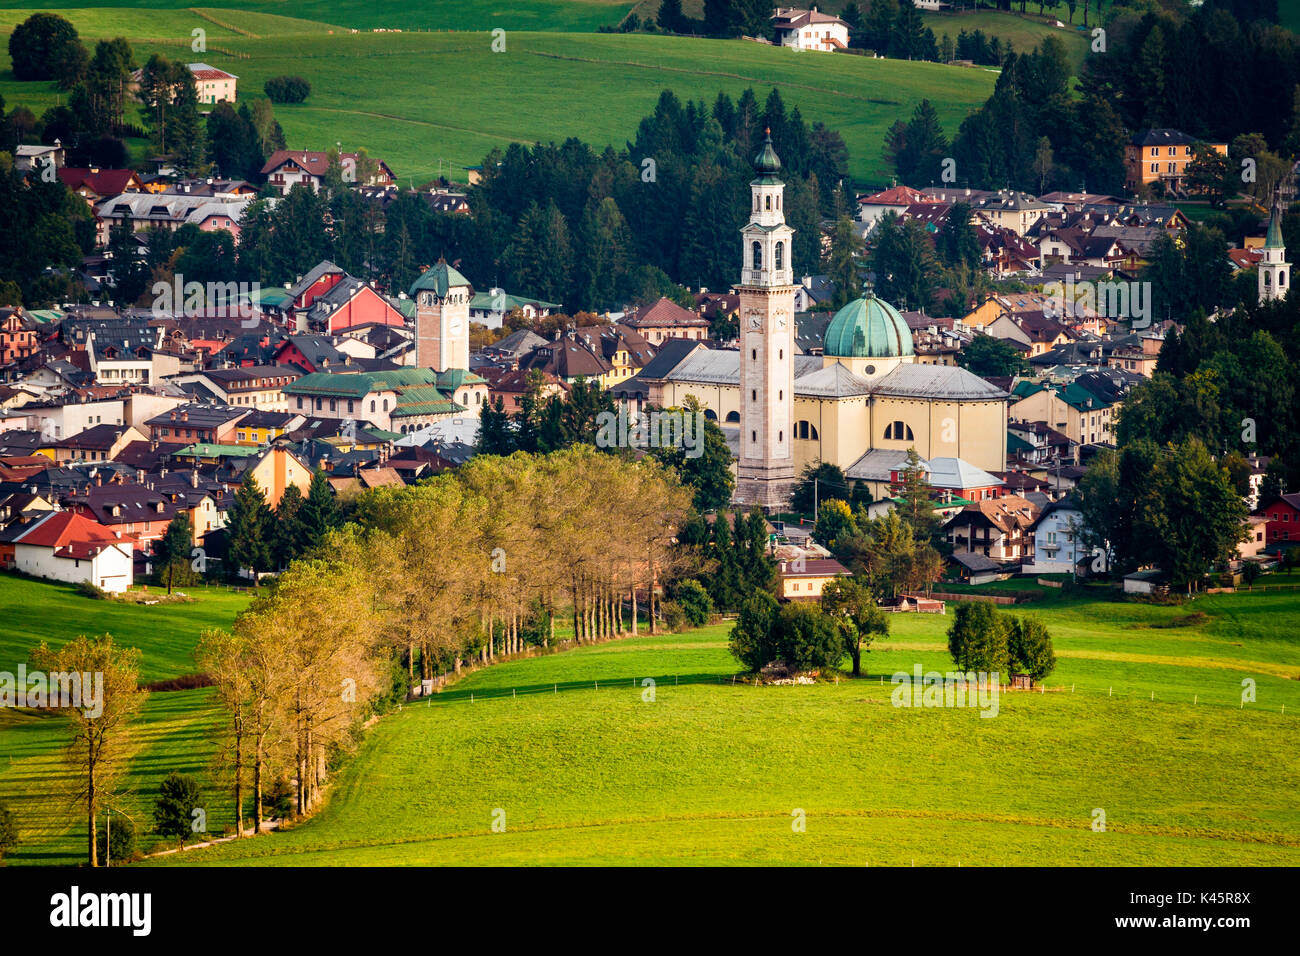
259, 428
1070, 409
804, 578
277, 469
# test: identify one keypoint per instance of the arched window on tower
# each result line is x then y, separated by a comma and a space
733, 416
778, 262
757, 256
1281, 278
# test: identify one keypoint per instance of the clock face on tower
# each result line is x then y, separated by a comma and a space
454, 326
780, 320
755, 320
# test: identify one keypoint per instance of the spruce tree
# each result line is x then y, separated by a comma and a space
320, 512
248, 523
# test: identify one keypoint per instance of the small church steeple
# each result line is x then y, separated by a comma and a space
1274, 270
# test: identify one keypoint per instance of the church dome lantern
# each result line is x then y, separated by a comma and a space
868, 328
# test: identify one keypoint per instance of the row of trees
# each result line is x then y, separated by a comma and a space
982, 639
433, 576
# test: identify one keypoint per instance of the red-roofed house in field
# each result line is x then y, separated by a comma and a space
67, 546
213, 85
810, 30
288, 167
94, 184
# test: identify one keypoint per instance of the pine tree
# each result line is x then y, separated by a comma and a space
173, 549
290, 534
320, 513
248, 522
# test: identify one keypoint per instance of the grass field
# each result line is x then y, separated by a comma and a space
437, 102
711, 772
561, 15
172, 732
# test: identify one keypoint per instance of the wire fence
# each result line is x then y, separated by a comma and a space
1222, 697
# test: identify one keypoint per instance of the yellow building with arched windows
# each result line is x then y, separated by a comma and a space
862, 403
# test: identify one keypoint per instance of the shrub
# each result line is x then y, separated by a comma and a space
287, 89
807, 637
277, 799
1029, 647
752, 638
91, 590
8, 831
115, 840
695, 602
673, 615
173, 812
977, 638
1250, 572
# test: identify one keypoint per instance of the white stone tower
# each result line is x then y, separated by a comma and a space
441, 297
766, 473
1274, 270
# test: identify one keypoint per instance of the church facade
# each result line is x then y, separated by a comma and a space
860, 405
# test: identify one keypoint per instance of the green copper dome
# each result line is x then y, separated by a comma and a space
767, 163
868, 328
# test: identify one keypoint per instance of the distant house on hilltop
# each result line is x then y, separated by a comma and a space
213, 85
810, 30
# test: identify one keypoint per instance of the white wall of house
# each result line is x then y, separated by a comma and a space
110, 569
816, 36
68, 420
1056, 543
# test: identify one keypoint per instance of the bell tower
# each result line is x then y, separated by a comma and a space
1274, 270
441, 297
765, 475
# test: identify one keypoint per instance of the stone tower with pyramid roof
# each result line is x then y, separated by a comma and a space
442, 297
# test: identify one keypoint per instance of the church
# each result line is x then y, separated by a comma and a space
860, 405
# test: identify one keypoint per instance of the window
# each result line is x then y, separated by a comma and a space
372, 405
768, 203
780, 255
898, 431
753, 394
753, 436
733, 416
757, 258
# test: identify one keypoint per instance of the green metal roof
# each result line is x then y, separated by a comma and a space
767, 163
868, 328
46, 316
424, 400
274, 296
1274, 238
207, 450
359, 384
438, 280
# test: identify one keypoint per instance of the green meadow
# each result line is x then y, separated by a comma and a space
584, 769
1143, 720
431, 103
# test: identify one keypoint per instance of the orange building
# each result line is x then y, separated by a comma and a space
1160, 155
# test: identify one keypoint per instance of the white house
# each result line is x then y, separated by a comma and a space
66, 546
810, 30
491, 308
1058, 544
213, 85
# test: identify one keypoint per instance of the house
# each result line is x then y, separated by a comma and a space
974, 568
276, 469
94, 184
491, 308
664, 320
1283, 514
804, 578
194, 422
1160, 156
511, 349
809, 30
1058, 541
255, 386
510, 386
18, 335
1076, 412
71, 547
348, 304
998, 528
96, 443
895, 199
38, 156
1145, 582
261, 427
1035, 330
401, 400
287, 168
213, 85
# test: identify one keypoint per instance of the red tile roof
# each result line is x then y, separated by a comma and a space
72, 535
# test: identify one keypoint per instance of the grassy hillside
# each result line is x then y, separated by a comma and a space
418, 98
710, 772
32, 611
172, 732
561, 15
